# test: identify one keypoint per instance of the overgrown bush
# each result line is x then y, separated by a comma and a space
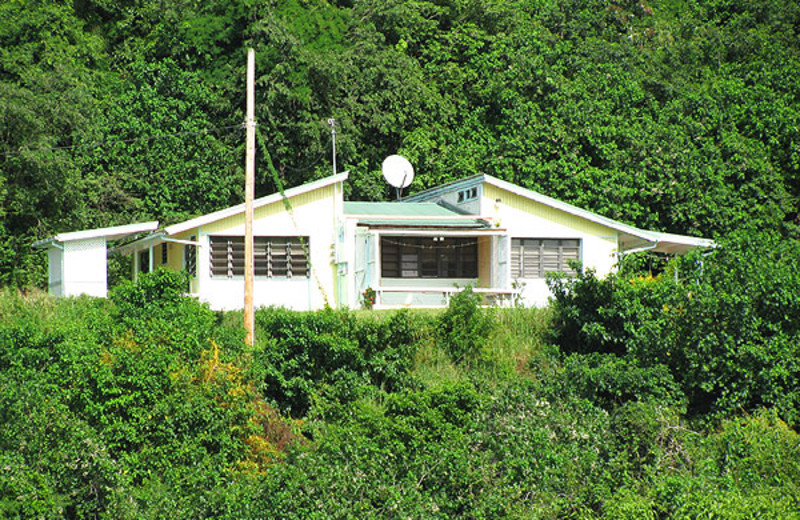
464, 327
610, 381
331, 357
107, 413
727, 323
101, 401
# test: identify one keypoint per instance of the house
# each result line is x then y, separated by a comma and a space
313, 248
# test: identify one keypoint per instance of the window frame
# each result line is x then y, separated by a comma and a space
428, 257
542, 255
467, 194
275, 257
190, 257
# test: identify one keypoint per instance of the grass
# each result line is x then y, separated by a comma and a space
519, 335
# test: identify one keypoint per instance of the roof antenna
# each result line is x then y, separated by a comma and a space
332, 122
398, 172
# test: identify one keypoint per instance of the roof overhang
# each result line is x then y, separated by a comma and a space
263, 201
434, 222
632, 239
404, 215
444, 232
109, 233
666, 243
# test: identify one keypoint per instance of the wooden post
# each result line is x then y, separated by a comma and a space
249, 195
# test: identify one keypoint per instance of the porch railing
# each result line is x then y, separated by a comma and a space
491, 296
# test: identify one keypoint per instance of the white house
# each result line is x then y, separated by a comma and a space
313, 248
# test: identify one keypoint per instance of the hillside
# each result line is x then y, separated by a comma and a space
637, 397
670, 115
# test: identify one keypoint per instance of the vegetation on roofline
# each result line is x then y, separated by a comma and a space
667, 114
642, 396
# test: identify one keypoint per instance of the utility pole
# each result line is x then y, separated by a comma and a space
249, 195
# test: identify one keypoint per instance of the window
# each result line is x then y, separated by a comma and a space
190, 257
429, 257
468, 194
533, 257
275, 257
163, 253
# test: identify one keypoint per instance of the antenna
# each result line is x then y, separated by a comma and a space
398, 172
332, 122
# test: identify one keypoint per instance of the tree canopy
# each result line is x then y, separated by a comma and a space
671, 115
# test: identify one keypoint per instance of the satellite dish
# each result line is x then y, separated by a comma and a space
397, 171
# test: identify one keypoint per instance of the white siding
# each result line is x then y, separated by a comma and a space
56, 271
313, 216
85, 267
524, 218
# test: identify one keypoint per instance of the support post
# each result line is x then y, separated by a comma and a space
249, 195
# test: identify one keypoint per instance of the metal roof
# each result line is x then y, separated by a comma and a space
656, 241
263, 201
109, 233
411, 214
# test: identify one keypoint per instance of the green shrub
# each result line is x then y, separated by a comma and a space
610, 381
330, 356
464, 327
726, 324
749, 468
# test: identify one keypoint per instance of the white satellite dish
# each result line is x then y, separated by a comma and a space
397, 171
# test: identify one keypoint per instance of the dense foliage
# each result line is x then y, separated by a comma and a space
149, 405
668, 390
668, 114
725, 325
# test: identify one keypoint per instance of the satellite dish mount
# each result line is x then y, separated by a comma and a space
398, 172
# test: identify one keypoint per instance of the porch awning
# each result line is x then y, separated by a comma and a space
667, 243
411, 215
423, 223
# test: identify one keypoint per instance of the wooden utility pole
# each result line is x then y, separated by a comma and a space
249, 195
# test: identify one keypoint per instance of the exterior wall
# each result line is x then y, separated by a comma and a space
449, 194
313, 215
485, 261
524, 218
471, 206
174, 256
56, 271
85, 269
177, 253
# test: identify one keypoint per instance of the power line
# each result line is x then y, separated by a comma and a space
98, 144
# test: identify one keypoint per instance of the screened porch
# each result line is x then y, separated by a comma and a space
426, 269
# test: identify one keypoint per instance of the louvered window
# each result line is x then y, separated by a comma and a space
190, 257
429, 257
274, 257
533, 257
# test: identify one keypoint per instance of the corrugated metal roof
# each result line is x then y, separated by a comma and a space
439, 224
109, 233
411, 214
664, 242
394, 209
